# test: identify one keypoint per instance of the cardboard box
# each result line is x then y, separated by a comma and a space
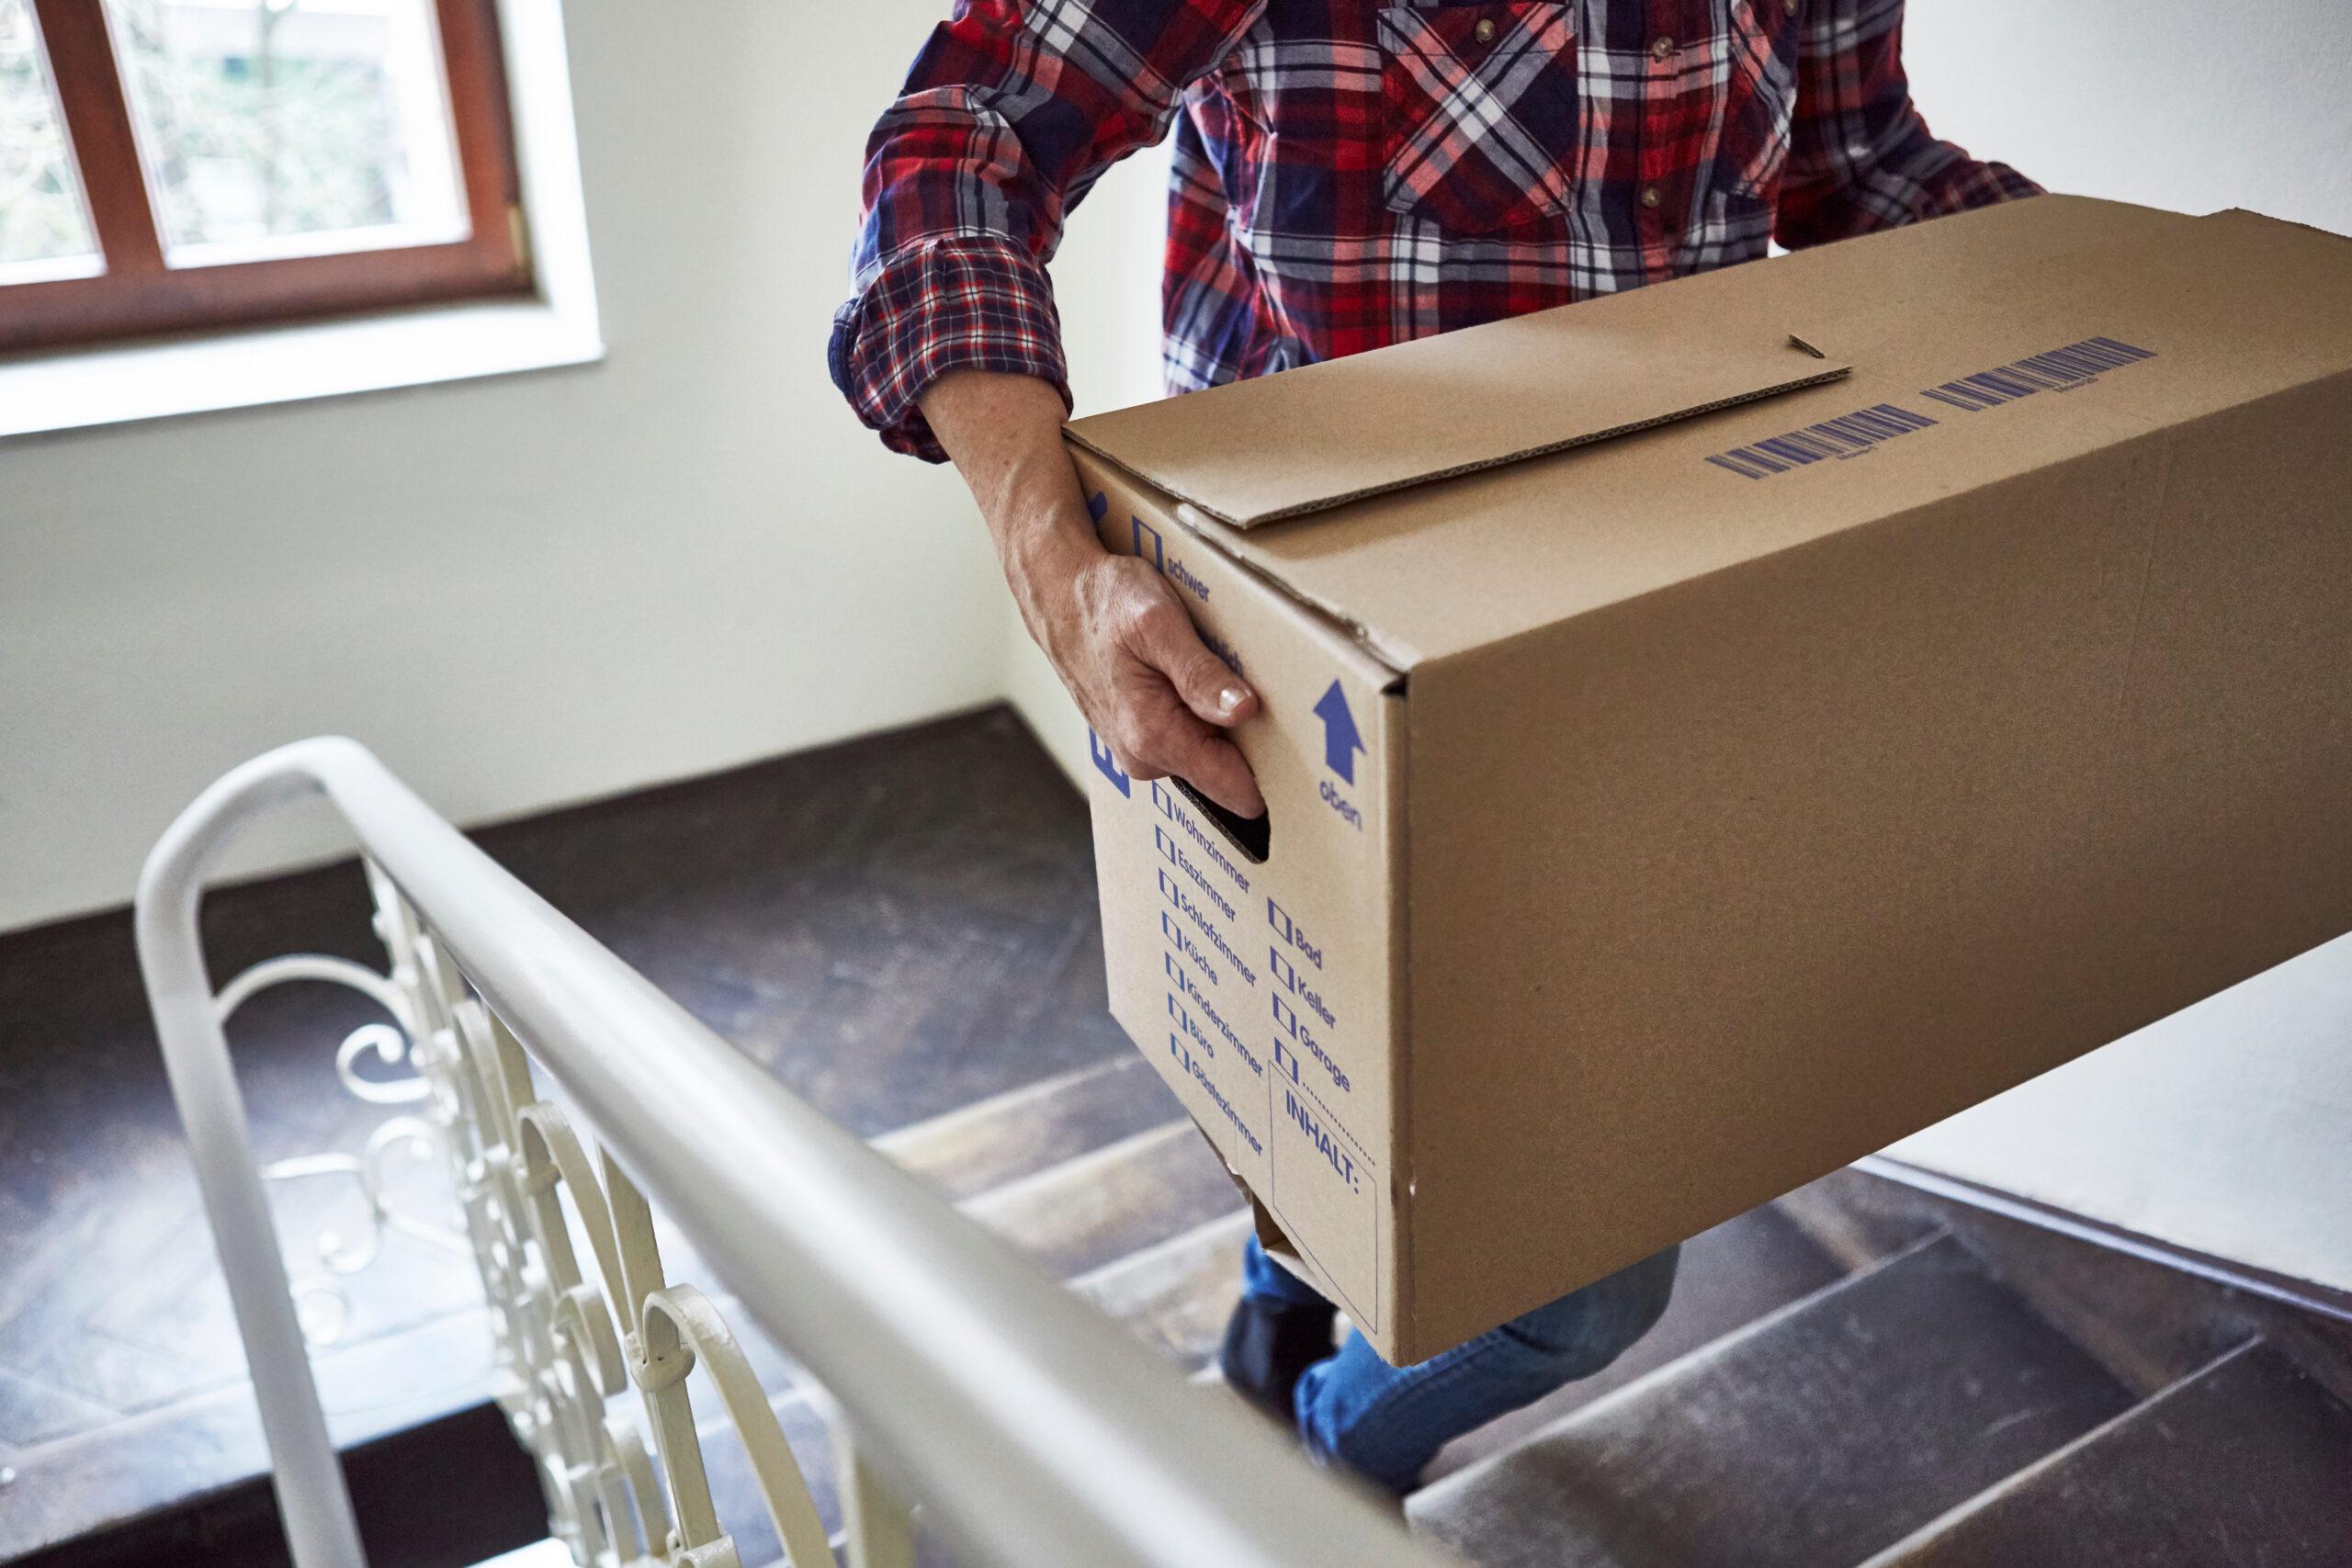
1696, 760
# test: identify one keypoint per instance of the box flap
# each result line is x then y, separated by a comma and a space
1324, 435
1430, 573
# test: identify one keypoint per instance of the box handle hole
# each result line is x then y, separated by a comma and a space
1253, 836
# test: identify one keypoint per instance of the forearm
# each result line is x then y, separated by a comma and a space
1005, 434
1110, 625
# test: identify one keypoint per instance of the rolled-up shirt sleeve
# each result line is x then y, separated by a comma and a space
967, 302
1008, 115
1860, 155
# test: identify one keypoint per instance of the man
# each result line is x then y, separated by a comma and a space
1347, 174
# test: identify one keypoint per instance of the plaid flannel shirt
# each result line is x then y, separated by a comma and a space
1349, 174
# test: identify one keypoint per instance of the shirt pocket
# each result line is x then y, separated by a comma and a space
1480, 113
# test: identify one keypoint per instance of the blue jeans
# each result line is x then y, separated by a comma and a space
1386, 1423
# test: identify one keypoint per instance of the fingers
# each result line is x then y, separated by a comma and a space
1156, 692
1160, 735
1215, 766
1178, 745
1202, 680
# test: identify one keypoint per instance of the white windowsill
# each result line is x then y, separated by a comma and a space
275, 365
113, 384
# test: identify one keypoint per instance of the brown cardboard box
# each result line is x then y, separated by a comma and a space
1829, 741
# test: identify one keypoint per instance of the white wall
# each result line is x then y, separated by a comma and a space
2179, 104
2226, 1129
530, 590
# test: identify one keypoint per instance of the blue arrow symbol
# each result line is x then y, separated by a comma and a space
1108, 765
1341, 740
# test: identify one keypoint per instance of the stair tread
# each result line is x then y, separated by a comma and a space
2148, 1323
1730, 1276
1008, 1137
2247, 1463
1817, 1434
1148, 1228
1858, 1218
1176, 1295
2149, 1320
1115, 1201
120, 1473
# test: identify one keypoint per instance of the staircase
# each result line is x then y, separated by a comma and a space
1859, 1373
1855, 1374
1964, 1391
1097, 1175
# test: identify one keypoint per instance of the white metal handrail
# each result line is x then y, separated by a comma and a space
1032, 1429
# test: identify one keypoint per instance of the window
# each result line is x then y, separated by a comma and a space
169, 165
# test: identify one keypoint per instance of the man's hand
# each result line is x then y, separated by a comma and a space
1113, 627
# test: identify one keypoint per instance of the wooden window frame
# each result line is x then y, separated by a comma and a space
137, 295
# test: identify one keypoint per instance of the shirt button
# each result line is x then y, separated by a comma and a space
1485, 30
1651, 196
1661, 48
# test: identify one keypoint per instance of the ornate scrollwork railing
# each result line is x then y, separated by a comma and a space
583, 1365
1034, 1430
570, 1350
319, 1291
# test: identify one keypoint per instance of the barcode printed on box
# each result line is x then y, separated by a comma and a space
2059, 370
1851, 436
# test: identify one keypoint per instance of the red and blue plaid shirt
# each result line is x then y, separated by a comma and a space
1349, 174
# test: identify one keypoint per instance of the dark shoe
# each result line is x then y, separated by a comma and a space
1268, 1347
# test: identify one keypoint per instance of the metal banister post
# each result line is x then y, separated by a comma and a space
312, 1497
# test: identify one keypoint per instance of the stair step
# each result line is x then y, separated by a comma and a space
1147, 1228
2151, 1321
992, 1142
1176, 1295
1073, 1169
1858, 1218
1096, 1175
1170, 1280
2150, 1324
1816, 1436
1730, 1276
2246, 1464
982, 1155
197, 1459
1087, 1212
